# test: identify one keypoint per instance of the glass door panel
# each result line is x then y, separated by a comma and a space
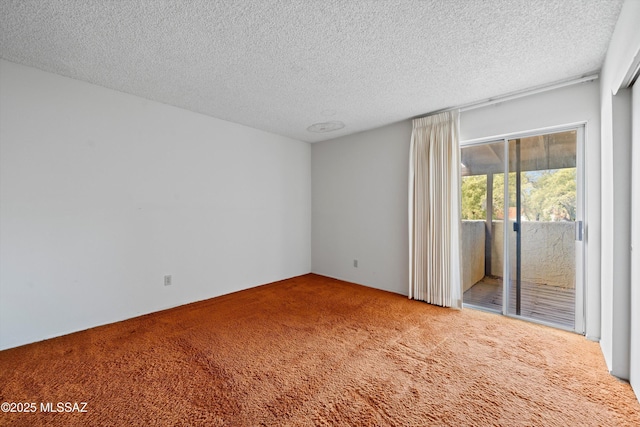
543, 208
482, 208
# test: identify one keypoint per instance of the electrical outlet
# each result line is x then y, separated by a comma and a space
167, 280
355, 263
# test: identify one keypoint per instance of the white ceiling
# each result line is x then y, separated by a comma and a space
282, 66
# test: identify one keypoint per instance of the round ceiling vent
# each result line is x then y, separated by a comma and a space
325, 127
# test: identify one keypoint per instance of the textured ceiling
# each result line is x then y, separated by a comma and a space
282, 66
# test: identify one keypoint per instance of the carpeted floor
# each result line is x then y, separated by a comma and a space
317, 351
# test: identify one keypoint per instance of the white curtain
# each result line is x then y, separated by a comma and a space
434, 211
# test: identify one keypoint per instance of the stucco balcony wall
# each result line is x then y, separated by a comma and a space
548, 252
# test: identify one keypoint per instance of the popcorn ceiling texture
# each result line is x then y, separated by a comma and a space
278, 65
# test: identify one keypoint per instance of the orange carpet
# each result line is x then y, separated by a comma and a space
315, 351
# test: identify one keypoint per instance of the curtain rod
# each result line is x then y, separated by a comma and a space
519, 94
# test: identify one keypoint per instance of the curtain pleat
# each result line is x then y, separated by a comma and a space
434, 211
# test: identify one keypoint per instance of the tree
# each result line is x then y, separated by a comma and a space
498, 194
474, 197
554, 195
548, 195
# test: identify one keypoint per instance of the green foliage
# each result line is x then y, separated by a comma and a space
498, 193
555, 196
545, 195
474, 197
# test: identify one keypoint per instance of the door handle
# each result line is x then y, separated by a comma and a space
579, 231
516, 227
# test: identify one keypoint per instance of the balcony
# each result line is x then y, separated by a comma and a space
548, 269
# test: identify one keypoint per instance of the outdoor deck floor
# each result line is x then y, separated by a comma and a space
540, 302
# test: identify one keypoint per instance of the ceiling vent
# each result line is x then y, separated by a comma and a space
325, 127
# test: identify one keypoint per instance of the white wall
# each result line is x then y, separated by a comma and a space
634, 352
572, 104
620, 292
359, 207
360, 190
103, 193
616, 131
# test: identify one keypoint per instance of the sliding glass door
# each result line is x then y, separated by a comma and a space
522, 196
